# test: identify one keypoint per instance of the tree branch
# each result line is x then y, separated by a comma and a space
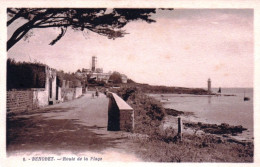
63, 31
17, 15
95, 20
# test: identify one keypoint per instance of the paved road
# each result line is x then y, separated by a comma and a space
75, 127
86, 110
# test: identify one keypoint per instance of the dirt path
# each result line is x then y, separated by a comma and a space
77, 127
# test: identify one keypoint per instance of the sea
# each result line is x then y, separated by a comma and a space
229, 107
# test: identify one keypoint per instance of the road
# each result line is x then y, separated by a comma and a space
77, 127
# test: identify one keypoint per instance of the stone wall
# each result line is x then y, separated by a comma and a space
25, 100
78, 92
50, 85
67, 94
113, 115
19, 101
58, 97
33, 98
120, 114
30, 99
70, 93
40, 97
126, 120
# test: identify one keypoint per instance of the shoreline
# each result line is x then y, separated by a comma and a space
160, 141
191, 125
194, 117
164, 94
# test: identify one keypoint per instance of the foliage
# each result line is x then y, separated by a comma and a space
115, 78
195, 148
22, 75
97, 20
75, 80
148, 111
130, 81
167, 89
101, 83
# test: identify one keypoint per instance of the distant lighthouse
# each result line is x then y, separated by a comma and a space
209, 86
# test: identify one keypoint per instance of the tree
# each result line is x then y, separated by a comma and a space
115, 78
130, 81
97, 20
22, 75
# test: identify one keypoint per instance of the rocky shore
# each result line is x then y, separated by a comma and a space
217, 129
208, 128
200, 142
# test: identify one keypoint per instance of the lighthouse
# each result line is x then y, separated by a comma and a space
209, 86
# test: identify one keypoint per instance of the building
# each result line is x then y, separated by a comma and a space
99, 70
124, 78
101, 76
96, 73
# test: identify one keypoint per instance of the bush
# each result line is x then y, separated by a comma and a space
75, 81
22, 75
148, 111
165, 89
115, 78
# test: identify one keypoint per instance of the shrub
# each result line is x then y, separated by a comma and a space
25, 75
115, 78
148, 111
75, 81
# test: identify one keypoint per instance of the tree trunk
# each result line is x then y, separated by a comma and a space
19, 34
14, 39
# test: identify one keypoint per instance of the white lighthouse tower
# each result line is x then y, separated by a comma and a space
209, 86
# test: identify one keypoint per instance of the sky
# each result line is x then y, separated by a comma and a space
183, 48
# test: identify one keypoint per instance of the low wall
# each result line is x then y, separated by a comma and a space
120, 114
24, 100
84, 90
40, 98
19, 100
78, 92
58, 98
30, 99
67, 94
70, 93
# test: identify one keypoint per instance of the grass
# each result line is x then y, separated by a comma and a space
195, 148
163, 145
149, 112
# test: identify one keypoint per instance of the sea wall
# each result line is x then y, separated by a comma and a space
120, 114
148, 112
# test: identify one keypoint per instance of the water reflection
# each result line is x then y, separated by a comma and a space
209, 99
